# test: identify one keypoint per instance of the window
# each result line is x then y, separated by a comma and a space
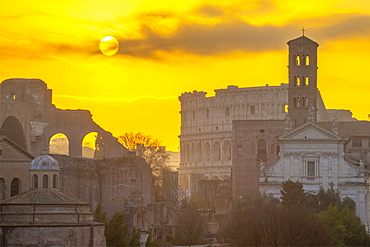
311, 169
300, 48
285, 108
207, 113
193, 114
307, 60
261, 149
306, 81
45, 182
15, 187
35, 181
298, 81
357, 143
253, 109
55, 181
298, 60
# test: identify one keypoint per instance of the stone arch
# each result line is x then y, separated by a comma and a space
13, 130
216, 151
15, 187
227, 150
207, 151
199, 151
59, 144
88, 144
2, 189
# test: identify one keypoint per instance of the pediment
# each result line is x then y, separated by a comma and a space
11, 151
310, 131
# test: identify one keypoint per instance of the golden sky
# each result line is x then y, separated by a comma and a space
171, 47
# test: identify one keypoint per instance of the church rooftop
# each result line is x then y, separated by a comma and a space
43, 196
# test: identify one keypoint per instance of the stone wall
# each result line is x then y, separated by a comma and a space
112, 183
52, 235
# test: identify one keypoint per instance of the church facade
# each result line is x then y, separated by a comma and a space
305, 147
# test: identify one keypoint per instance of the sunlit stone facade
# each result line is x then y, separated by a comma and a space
206, 128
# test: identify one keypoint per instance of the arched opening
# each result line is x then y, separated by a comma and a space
188, 152
35, 181
227, 150
55, 181
59, 144
298, 60
207, 151
2, 189
216, 151
306, 83
307, 60
13, 130
15, 187
192, 152
89, 145
298, 102
295, 102
298, 81
199, 151
306, 100
303, 102
45, 181
261, 149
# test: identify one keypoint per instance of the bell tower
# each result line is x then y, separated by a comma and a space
302, 90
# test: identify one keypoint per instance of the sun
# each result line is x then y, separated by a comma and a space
109, 45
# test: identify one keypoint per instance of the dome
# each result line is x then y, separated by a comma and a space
44, 162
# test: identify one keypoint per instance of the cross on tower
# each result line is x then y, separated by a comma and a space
303, 30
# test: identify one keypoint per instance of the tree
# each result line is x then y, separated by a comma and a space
292, 194
191, 226
344, 227
324, 198
99, 216
116, 231
154, 154
257, 220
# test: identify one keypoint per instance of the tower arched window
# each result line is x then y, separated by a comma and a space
55, 181
45, 181
261, 149
298, 102
307, 60
306, 99
2, 189
35, 181
298, 81
303, 102
306, 81
298, 60
15, 187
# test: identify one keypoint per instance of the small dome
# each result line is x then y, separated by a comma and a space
44, 162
